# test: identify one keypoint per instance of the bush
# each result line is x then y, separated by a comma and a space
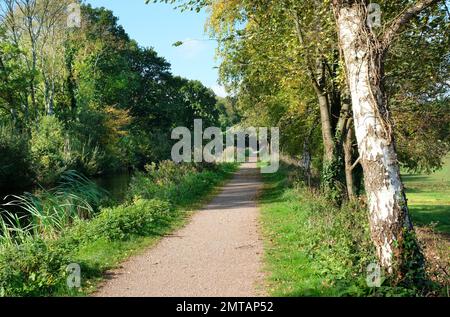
159, 180
177, 183
167, 172
121, 222
85, 158
108, 126
143, 146
55, 150
31, 269
340, 241
47, 148
331, 244
37, 266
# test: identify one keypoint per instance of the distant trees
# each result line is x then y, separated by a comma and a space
86, 98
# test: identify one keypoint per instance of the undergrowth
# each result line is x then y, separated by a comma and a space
315, 248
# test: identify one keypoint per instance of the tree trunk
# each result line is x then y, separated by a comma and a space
389, 219
348, 157
329, 105
327, 130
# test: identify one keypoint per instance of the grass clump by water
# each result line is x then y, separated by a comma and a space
34, 256
48, 212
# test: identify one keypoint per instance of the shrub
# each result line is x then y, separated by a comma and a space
37, 266
167, 172
177, 183
160, 180
31, 269
340, 240
47, 148
108, 126
121, 222
331, 242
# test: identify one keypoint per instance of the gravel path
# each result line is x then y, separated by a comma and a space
217, 254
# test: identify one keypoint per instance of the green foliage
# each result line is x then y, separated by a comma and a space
47, 148
413, 275
316, 248
419, 95
94, 101
332, 183
38, 265
84, 157
31, 269
47, 213
121, 222
180, 184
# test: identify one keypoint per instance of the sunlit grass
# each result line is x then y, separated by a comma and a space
314, 248
308, 250
429, 197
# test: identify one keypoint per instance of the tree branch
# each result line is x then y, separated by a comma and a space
402, 19
355, 164
312, 75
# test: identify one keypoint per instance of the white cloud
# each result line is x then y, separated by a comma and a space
191, 48
219, 91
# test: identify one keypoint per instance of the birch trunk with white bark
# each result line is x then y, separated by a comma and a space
388, 211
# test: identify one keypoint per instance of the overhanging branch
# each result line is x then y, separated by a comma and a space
402, 19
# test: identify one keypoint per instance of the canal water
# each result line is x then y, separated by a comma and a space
115, 184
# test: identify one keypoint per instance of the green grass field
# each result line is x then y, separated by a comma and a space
429, 197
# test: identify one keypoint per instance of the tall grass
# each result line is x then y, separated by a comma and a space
48, 212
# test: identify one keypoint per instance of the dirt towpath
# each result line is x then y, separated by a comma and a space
217, 254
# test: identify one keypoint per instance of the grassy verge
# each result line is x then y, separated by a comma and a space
36, 266
297, 248
313, 248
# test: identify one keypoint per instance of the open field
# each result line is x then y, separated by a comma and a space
429, 198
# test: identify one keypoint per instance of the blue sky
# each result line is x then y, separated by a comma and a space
159, 26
